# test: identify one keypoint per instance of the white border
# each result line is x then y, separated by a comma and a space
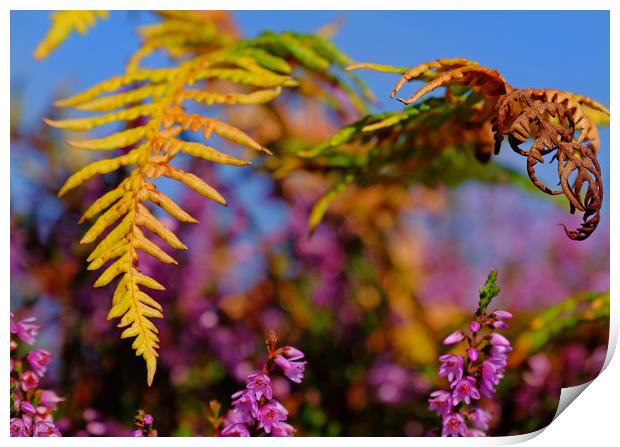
592, 420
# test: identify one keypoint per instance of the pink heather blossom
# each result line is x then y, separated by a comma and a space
440, 402
459, 415
29, 381
282, 429
465, 390
498, 340
25, 386
451, 367
25, 329
38, 361
453, 338
294, 370
238, 430
259, 384
148, 419
270, 414
292, 353
254, 407
479, 417
472, 353
19, 428
45, 429
246, 405
499, 324
27, 407
454, 425
137, 434
501, 315
49, 399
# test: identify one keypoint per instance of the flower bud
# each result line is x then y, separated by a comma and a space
453, 338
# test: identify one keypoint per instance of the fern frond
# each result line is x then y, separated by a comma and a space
479, 109
63, 24
204, 52
559, 320
123, 212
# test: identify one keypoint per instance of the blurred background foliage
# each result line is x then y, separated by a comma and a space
392, 268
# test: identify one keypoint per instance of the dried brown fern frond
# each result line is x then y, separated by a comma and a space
557, 123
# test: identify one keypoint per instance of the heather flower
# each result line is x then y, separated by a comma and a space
255, 410
465, 390
245, 405
472, 354
291, 353
453, 338
18, 428
451, 367
25, 392
259, 384
440, 402
270, 414
29, 381
499, 340
454, 425
45, 429
456, 406
27, 407
479, 417
144, 425
501, 315
294, 370
38, 361
282, 429
239, 430
25, 329
49, 399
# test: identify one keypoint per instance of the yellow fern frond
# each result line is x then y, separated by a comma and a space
63, 24
121, 215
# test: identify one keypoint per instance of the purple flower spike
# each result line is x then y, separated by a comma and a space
454, 425
465, 390
451, 367
260, 385
255, 411
454, 337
